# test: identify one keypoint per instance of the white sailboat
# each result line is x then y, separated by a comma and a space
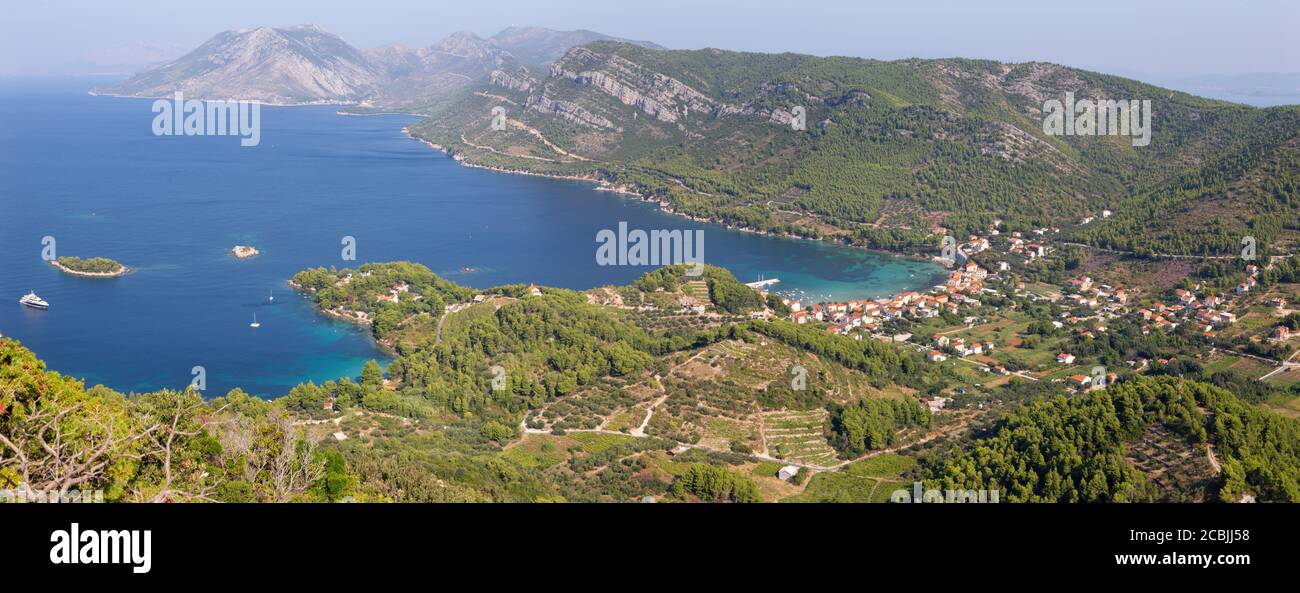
254, 323
271, 297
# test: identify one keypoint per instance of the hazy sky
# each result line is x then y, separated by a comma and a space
1166, 37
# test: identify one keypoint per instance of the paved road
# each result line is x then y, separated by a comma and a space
1166, 255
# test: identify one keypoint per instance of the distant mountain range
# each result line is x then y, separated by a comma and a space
1260, 89
306, 64
890, 150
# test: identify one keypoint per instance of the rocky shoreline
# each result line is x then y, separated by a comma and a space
349, 316
663, 205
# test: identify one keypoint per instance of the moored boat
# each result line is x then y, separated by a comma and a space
33, 301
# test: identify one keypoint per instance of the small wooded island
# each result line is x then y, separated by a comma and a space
245, 251
99, 267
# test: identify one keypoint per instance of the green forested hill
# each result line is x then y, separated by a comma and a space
1074, 450
902, 144
448, 422
506, 395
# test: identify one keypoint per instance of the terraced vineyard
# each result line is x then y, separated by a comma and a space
696, 288
1178, 468
591, 407
870, 480
798, 437
728, 353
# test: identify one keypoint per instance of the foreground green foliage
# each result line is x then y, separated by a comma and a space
507, 396
1073, 450
56, 437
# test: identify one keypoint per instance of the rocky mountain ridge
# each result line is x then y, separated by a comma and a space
885, 150
306, 64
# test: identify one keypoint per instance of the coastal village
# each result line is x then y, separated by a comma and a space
1010, 319
951, 322
993, 319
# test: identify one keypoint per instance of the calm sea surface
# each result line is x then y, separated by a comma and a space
89, 172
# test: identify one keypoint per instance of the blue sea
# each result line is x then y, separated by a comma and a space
89, 172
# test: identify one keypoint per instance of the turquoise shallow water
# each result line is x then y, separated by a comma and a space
89, 172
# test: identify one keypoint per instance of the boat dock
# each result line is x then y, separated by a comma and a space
763, 283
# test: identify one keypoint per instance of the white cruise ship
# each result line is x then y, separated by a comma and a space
33, 301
